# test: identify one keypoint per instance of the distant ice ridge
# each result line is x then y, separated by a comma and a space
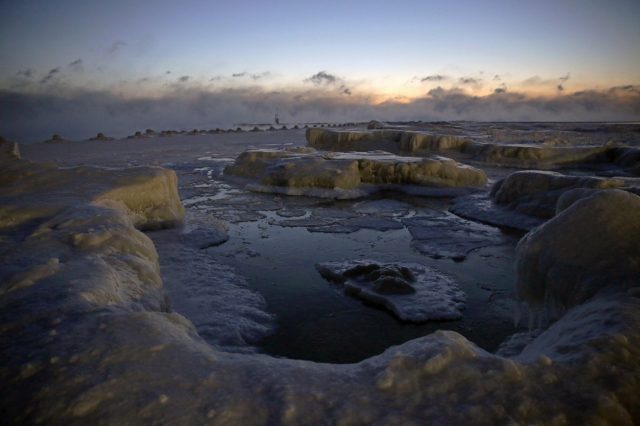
305, 171
85, 335
479, 149
411, 291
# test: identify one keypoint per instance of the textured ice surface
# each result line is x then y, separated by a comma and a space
214, 297
411, 291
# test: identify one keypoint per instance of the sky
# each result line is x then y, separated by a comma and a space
172, 63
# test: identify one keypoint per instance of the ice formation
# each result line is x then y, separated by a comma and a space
305, 171
411, 291
86, 335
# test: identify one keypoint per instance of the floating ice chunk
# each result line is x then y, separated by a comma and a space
411, 291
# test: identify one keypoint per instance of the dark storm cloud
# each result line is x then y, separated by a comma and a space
435, 77
50, 75
78, 114
322, 78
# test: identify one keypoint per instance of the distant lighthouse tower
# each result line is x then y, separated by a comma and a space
277, 120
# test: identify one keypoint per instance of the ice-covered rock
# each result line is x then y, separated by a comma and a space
411, 291
101, 137
589, 246
304, 171
8, 150
536, 193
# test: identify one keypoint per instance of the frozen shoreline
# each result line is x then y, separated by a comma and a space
88, 337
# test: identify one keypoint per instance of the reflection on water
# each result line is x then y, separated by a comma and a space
317, 321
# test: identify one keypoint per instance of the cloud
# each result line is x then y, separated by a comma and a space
560, 87
565, 78
499, 90
26, 73
323, 78
435, 77
497, 77
239, 74
469, 80
115, 46
76, 65
183, 79
77, 113
50, 75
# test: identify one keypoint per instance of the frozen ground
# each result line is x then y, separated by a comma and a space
88, 333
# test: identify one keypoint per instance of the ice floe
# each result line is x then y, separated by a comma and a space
411, 291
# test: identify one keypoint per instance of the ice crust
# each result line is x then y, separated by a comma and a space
305, 171
423, 294
86, 335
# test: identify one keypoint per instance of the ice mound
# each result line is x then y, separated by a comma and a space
305, 171
590, 246
147, 195
536, 193
411, 291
